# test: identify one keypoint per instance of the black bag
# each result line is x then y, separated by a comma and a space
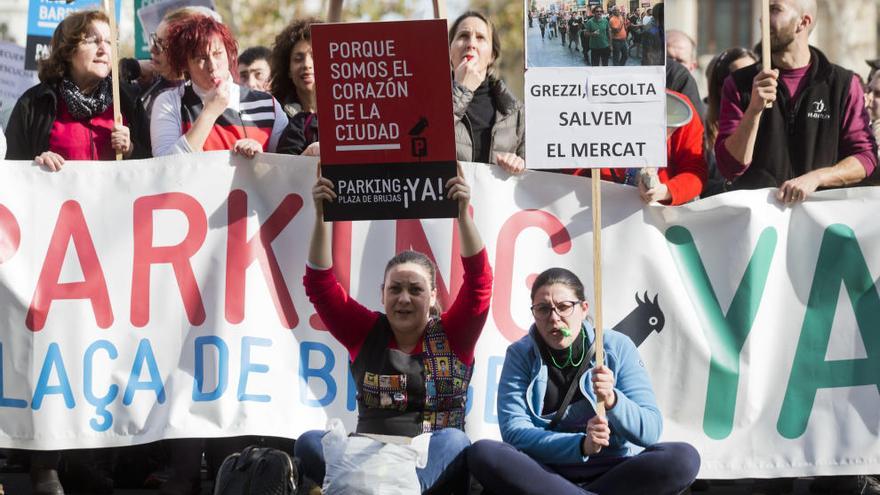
257, 471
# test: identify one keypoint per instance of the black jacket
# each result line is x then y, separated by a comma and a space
508, 132
34, 114
796, 136
301, 131
679, 79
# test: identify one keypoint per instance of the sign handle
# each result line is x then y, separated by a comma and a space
334, 11
439, 9
765, 40
597, 273
114, 65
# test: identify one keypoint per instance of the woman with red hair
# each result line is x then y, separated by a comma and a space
211, 111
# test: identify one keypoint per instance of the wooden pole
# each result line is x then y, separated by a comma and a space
766, 58
114, 65
334, 11
439, 9
597, 274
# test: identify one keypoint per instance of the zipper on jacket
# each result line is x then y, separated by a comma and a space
92, 146
467, 124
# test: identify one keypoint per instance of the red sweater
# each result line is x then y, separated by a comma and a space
82, 139
350, 322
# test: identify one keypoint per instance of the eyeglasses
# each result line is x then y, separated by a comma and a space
94, 40
563, 308
156, 43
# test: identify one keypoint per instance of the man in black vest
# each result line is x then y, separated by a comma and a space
815, 135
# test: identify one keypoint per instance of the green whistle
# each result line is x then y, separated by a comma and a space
565, 332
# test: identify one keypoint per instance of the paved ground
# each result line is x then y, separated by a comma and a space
17, 484
551, 53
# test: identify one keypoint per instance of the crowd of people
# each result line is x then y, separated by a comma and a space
603, 38
412, 361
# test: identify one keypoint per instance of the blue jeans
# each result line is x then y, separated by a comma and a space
661, 469
446, 469
619, 52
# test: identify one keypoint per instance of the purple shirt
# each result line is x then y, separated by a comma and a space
855, 140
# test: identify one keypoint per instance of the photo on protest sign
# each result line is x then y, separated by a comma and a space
384, 94
148, 15
44, 16
578, 34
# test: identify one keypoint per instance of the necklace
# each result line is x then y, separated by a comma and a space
568, 361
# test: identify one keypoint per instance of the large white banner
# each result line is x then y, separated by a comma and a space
163, 298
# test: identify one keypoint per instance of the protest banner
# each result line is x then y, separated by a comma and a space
384, 94
43, 18
14, 78
162, 298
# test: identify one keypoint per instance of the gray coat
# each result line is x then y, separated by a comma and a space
508, 132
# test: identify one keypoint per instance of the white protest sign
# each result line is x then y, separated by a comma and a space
595, 117
14, 79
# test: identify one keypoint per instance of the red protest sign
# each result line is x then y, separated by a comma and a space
384, 95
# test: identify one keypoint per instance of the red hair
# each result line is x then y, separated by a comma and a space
191, 37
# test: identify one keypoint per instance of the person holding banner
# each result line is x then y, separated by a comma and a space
294, 86
412, 363
211, 111
555, 442
489, 120
769, 115
69, 115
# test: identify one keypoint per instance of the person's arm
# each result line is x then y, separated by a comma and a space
845, 172
464, 320
635, 414
515, 420
857, 144
461, 99
166, 124
278, 127
214, 103
348, 321
687, 170
521, 133
293, 139
741, 144
18, 133
320, 249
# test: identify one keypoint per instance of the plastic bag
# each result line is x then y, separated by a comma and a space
361, 465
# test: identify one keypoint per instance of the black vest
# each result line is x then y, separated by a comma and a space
407, 395
796, 136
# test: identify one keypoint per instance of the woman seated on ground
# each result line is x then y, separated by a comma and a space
424, 357
294, 86
489, 120
555, 442
69, 115
211, 111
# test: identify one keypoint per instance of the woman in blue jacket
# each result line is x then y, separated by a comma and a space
577, 451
